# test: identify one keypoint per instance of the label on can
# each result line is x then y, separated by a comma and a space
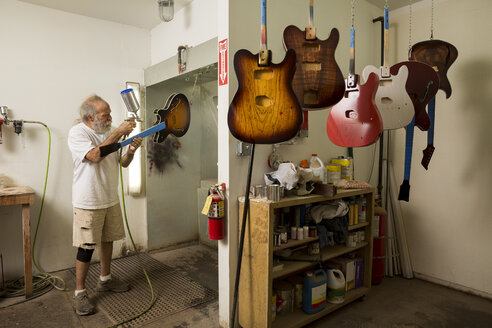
333, 173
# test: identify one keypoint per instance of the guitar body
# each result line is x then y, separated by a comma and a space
176, 114
318, 82
264, 109
355, 120
393, 102
422, 85
438, 54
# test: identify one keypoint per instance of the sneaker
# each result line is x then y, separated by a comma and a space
82, 304
112, 285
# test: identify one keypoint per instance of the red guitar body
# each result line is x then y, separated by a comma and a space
355, 121
422, 85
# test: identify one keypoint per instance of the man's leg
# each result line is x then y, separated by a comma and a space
106, 281
82, 304
81, 270
105, 253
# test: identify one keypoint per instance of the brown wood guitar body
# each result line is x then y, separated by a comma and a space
264, 109
318, 82
438, 54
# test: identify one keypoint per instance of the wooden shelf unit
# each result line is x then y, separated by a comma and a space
257, 276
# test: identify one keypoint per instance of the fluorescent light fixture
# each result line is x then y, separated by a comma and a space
135, 174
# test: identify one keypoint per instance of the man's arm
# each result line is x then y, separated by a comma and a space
94, 155
132, 148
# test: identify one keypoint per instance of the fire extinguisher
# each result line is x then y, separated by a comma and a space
216, 213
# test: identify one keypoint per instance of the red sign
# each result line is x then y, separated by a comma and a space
223, 49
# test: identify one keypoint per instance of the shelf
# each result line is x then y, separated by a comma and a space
259, 259
326, 253
357, 226
311, 198
291, 243
299, 318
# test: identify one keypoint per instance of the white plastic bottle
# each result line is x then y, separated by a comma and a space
319, 170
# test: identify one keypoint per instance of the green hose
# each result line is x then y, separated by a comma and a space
43, 280
153, 299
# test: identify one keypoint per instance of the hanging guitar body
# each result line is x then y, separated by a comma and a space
392, 99
438, 54
318, 82
264, 109
176, 114
355, 120
422, 85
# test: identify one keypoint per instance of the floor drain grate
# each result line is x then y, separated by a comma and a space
175, 291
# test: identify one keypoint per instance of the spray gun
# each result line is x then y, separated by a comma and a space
132, 104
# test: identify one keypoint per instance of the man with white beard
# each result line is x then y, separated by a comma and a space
97, 219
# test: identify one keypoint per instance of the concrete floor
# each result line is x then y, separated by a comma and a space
396, 303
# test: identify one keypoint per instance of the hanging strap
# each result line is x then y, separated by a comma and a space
405, 186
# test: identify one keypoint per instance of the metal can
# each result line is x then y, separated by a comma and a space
346, 166
333, 173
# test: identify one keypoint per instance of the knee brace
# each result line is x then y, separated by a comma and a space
84, 255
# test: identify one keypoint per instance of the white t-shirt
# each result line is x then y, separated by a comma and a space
95, 185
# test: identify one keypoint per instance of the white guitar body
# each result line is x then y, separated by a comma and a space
393, 102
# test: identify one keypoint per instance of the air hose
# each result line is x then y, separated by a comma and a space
42, 281
153, 298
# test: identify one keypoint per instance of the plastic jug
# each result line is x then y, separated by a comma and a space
314, 292
319, 170
335, 286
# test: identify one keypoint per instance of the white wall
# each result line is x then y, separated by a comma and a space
192, 25
243, 31
448, 218
49, 63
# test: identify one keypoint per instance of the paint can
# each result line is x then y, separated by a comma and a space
284, 291
273, 192
346, 166
293, 232
333, 173
297, 282
313, 248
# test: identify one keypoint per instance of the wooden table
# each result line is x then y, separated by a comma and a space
22, 196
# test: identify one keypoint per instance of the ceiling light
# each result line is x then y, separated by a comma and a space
166, 10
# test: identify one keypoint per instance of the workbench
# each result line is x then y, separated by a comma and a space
23, 196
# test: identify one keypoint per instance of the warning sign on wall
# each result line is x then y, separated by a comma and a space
223, 49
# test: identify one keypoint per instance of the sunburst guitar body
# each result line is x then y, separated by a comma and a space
264, 109
176, 114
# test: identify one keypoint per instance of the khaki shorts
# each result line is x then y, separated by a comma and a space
91, 227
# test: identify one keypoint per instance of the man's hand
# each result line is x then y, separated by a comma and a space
132, 148
126, 128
